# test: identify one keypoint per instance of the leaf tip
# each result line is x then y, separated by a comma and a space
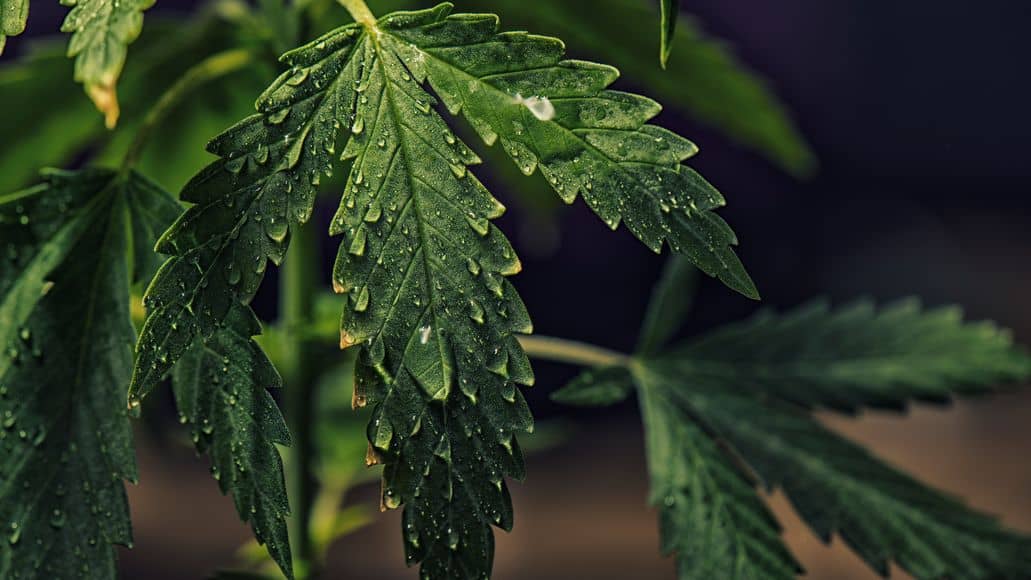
105, 97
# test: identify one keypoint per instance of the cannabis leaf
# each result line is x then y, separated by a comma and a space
66, 330
221, 390
710, 514
858, 355
422, 266
13, 15
707, 80
556, 115
727, 404
670, 15
837, 487
101, 32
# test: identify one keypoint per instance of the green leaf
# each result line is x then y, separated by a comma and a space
556, 115
597, 387
422, 266
710, 514
13, 15
858, 355
221, 390
724, 93
670, 302
670, 15
838, 488
65, 441
101, 32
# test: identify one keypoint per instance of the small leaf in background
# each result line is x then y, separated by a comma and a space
670, 303
597, 387
221, 388
13, 15
65, 439
858, 355
670, 15
101, 32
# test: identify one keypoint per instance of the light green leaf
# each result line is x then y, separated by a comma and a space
838, 488
597, 387
65, 441
670, 302
13, 15
101, 32
858, 355
670, 15
710, 514
221, 391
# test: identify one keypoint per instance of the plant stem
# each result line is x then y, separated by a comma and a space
360, 12
211, 68
569, 351
298, 289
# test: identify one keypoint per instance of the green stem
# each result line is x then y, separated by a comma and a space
569, 351
360, 12
213, 67
298, 289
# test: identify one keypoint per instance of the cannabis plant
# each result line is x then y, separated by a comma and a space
112, 288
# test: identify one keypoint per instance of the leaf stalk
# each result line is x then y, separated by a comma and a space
571, 351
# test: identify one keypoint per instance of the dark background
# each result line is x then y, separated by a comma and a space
917, 114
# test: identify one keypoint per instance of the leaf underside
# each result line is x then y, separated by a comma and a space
13, 15
67, 338
735, 402
101, 32
423, 268
220, 387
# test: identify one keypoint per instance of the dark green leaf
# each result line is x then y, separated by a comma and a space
13, 14
221, 390
67, 337
711, 516
858, 355
670, 302
596, 388
838, 488
670, 15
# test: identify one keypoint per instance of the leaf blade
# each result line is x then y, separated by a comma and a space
66, 323
668, 25
220, 388
859, 356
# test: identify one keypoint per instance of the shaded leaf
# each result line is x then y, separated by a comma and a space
67, 337
858, 355
710, 514
670, 303
596, 387
838, 488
